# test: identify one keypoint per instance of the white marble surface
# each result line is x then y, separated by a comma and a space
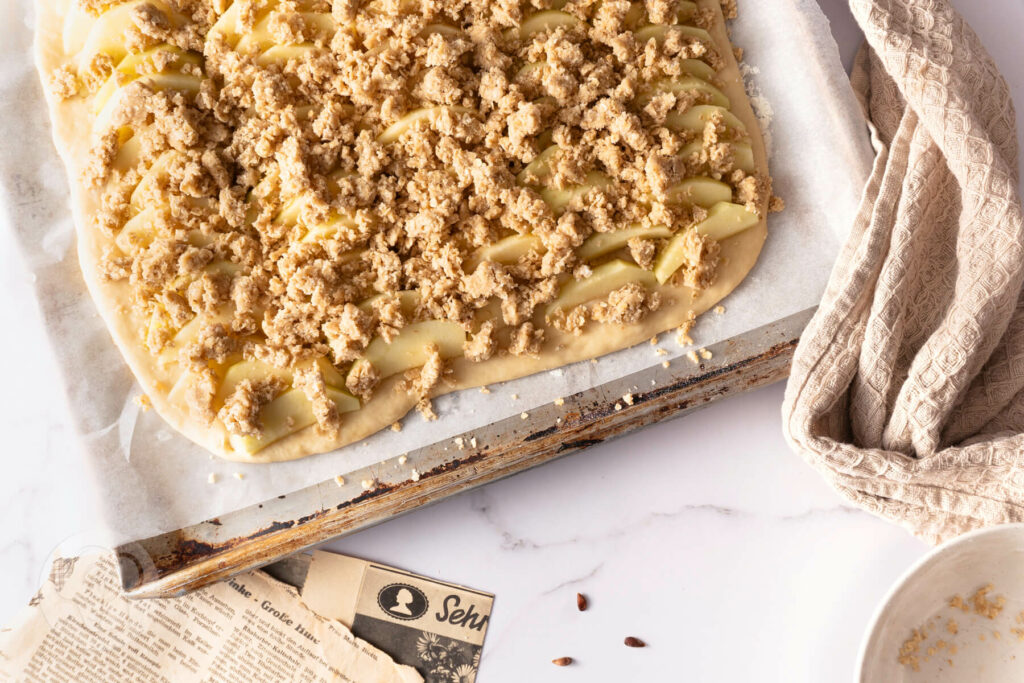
704, 536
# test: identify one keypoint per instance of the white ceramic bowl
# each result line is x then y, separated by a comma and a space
981, 649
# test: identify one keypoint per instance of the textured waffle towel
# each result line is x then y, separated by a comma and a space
907, 389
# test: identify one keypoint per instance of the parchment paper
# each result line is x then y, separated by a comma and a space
151, 480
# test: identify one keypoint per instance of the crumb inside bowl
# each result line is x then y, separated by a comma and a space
956, 615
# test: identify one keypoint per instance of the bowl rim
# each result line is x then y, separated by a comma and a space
919, 564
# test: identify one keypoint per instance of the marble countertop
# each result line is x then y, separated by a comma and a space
725, 552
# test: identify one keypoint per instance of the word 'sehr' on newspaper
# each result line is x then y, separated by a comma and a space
434, 626
80, 628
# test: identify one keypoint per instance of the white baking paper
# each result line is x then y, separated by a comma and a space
151, 480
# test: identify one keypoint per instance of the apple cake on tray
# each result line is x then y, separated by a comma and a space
300, 219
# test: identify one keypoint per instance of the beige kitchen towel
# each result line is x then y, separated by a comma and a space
907, 389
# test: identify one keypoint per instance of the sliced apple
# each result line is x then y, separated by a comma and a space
252, 370
604, 280
291, 211
409, 349
409, 300
671, 258
261, 38
287, 414
440, 29
726, 219
332, 377
685, 84
129, 154
538, 170
140, 64
107, 34
229, 24
507, 250
190, 332
548, 20
529, 70
559, 198
742, 154
695, 67
603, 243
282, 54
694, 118
137, 232
159, 82
699, 191
660, 32
151, 178
77, 25
427, 114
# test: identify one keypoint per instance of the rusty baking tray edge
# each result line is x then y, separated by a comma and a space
186, 559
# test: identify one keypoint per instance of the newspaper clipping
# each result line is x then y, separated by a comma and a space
434, 626
252, 629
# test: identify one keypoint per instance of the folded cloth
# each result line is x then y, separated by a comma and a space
906, 388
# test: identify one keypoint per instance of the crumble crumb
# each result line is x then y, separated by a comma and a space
212, 479
63, 82
683, 332
705, 354
339, 480
523, 416
402, 459
694, 358
143, 402
628, 399
396, 426
415, 475
559, 401
911, 648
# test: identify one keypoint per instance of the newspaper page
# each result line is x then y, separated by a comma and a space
252, 629
436, 627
